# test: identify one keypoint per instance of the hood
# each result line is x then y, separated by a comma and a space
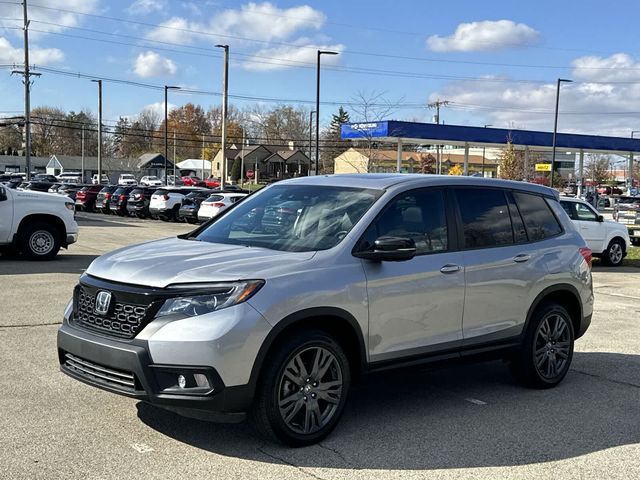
173, 260
44, 196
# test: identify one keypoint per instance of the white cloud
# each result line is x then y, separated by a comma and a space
54, 20
174, 30
265, 21
151, 64
147, 6
595, 108
288, 56
486, 35
38, 56
157, 109
619, 67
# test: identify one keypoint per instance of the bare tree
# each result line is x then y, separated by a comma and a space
598, 168
368, 108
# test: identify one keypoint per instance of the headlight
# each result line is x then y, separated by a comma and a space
215, 296
70, 206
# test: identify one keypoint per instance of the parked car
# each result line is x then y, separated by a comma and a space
627, 212
166, 202
104, 198
54, 188
173, 181
192, 181
191, 204
607, 239
119, 198
217, 203
150, 181
608, 190
13, 183
281, 216
43, 177
70, 190
105, 179
36, 186
36, 224
70, 177
138, 201
127, 179
212, 182
378, 271
86, 197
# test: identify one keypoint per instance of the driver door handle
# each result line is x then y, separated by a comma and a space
450, 268
523, 257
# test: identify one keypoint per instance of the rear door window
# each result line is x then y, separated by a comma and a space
486, 221
538, 218
570, 209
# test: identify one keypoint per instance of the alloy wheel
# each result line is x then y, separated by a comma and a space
615, 253
552, 346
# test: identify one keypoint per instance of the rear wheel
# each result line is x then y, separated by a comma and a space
545, 357
39, 241
614, 254
303, 390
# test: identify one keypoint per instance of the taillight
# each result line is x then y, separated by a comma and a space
587, 254
107, 195
123, 198
218, 204
165, 196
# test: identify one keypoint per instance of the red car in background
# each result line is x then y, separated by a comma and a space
193, 181
86, 197
212, 182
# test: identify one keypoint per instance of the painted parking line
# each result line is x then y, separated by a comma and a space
475, 401
141, 448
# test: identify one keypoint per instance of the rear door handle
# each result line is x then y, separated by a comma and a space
523, 257
450, 268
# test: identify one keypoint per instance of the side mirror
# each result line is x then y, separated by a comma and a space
389, 249
600, 218
3, 194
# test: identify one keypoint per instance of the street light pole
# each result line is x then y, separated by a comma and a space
99, 82
555, 128
483, 152
320, 53
166, 135
225, 96
311, 113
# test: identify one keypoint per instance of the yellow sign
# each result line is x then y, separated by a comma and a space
543, 167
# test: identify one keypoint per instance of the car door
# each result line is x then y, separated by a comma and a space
501, 265
591, 228
415, 306
6, 214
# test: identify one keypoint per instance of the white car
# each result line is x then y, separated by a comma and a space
70, 177
150, 181
165, 202
216, 203
127, 179
36, 223
104, 181
607, 239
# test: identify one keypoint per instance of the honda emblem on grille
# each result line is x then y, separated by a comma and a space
103, 299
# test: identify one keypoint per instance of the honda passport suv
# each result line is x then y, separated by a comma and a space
375, 271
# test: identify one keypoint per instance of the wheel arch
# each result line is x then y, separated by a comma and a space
339, 323
564, 294
57, 222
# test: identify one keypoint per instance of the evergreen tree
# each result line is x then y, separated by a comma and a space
235, 170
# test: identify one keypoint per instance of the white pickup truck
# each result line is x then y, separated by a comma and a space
36, 224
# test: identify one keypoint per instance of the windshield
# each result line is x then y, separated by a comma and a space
293, 218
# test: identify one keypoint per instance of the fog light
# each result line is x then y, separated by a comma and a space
182, 381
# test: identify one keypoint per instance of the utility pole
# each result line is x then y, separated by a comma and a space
320, 53
311, 114
203, 156
174, 155
242, 162
555, 129
82, 161
99, 82
483, 152
225, 96
437, 104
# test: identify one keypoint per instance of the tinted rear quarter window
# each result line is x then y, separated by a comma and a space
485, 217
538, 218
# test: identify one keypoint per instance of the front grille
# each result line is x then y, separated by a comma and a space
120, 379
123, 320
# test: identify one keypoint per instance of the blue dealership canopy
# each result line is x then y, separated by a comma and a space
431, 133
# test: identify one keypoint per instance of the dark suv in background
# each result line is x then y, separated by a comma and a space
104, 198
191, 204
138, 202
119, 198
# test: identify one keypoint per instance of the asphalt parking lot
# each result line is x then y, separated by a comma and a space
459, 422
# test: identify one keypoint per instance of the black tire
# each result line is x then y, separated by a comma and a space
191, 221
304, 396
141, 216
544, 363
614, 254
39, 241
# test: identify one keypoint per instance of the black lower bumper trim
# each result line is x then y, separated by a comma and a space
99, 361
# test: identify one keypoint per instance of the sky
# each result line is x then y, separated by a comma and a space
495, 61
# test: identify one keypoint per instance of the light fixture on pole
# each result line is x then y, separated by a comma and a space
225, 98
555, 128
483, 151
166, 134
320, 53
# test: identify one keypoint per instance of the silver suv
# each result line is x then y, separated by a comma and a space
355, 273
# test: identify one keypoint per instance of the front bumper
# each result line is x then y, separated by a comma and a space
159, 211
126, 368
71, 238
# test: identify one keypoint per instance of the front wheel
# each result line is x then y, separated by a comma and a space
614, 254
545, 356
39, 241
303, 390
